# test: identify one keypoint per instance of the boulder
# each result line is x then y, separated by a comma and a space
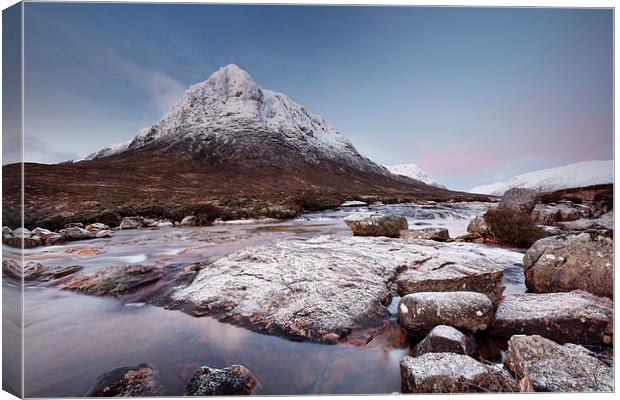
576, 317
569, 262
21, 233
76, 233
131, 223
115, 281
96, 227
518, 200
103, 233
446, 339
354, 203
451, 274
34, 271
418, 313
452, 373
437, 234
189, 220
542, 365
604, 222
235, 380
6, 232
549, 214
41, 232
364, 224
54, 239
139, 381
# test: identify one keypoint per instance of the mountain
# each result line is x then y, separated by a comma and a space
580, 174
228, 149
414, 172
229, 118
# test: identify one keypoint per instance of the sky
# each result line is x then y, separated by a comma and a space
471, 95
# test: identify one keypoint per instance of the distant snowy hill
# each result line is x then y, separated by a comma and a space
413, 171
580, 174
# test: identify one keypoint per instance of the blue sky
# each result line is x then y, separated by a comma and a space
472, 95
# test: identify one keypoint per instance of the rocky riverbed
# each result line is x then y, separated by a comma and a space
173, 300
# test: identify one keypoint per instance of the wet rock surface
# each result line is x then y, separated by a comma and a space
139, 381
542, 365
446, 339
376, 225
437, 234
76, 233
34, 271
445, 273
452, 373
235, 380
577, 317
418, 313
114, 281
570, 262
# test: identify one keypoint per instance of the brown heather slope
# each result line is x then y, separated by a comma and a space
155, 186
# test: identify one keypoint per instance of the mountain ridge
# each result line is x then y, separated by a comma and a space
581, 174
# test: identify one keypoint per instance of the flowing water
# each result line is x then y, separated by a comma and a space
70, 338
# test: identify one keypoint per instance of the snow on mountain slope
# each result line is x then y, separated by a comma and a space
413, 171
229, 116
580, 174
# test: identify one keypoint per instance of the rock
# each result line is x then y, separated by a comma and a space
437, 234
604, 222
115, 281
452, 373
74, 225
451, 274
41, 232
353, 203
96, 227
189, 220
21, 233
551, 230
310, 288
570, 262
7, 232
235, 380
76, 233
479, 228
165, 224
549, 214
368, 224
446, 339
418, 313
576, 317
34, 271
54, 239
139, 381
542, 365
518, 200
103, 234
131, 223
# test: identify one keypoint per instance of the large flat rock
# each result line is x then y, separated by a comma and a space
541, 365
576, 317
316, 289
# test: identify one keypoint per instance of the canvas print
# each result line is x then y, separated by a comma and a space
231, 199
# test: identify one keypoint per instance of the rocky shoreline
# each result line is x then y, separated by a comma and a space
335, 289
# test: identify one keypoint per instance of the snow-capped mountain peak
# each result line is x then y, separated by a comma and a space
580, 174
414, 172
230, 107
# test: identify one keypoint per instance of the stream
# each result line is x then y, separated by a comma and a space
70, 339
